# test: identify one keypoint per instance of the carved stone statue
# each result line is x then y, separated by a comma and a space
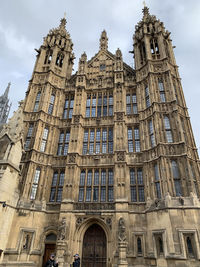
62, 229
121, 230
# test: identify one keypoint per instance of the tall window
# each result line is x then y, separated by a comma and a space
142, 50
44, 139
151, 134
98, 140
37, 101
159, 244
57, 186
147, 98
28, 137
162, 90
154, 47
68, 109
168, 131
176, 177
131, 104
35, 184
139, 246
48, 57
99, 105
157, 181
137, 185
189, 242
194, 179
59, 60
51, 104
133, 137
63, 143
96, 185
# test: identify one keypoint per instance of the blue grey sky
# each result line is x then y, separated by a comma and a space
24, 23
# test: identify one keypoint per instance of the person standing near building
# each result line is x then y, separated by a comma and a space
51, 262
76, 262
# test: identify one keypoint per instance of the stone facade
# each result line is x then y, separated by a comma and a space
109, 148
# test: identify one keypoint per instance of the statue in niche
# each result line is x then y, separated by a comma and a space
62, 229
121, 230
26, 243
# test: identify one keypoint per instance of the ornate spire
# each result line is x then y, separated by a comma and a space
7, 90
103, 41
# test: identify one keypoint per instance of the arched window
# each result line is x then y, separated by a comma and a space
48, 57
59, 59
139, 246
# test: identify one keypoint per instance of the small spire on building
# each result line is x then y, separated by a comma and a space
7, 90
145, 10
63, 21
103, 41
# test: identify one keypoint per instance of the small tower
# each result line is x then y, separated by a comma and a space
103, 41
4, 105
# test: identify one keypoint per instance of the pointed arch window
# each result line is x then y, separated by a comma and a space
35, 184
189, 242
192, 170
37, 101
59, 59
142, 50
154, 48
48, 57
57, 186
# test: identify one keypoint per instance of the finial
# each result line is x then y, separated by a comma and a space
65, 15
63, 21
103, 41
144, 3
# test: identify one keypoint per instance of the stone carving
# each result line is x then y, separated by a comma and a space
26, 242
76, 119
109, 222
120, 116
120, 156
62, 229
72, 158
121, 230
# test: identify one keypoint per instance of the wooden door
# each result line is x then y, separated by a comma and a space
49, 248
94, 247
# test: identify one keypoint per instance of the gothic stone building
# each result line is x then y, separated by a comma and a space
108, 168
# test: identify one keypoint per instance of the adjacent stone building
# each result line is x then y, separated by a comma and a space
109, 167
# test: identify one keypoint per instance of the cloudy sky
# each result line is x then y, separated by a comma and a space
24, 23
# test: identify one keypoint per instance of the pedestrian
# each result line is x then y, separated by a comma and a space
51, 262
76, 262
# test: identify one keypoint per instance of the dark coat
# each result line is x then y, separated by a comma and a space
51, 263
76, 263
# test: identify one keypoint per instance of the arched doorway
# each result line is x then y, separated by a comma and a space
50, 246
94, 247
